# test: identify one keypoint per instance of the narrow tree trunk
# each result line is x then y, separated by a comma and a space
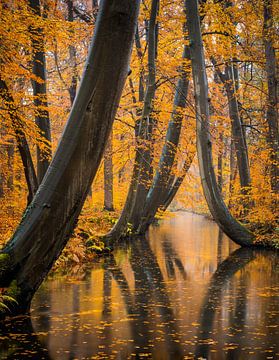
22, 144
73, 57
272, 83
237, 131
40, 92
173, 189
230, 83
51, 218
108, 176
159, 185
220, 162
137, 192
216, 205
146, 124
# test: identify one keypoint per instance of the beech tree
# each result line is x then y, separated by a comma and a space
217, 207
49, 220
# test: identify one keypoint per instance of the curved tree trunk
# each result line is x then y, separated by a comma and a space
146, 124
175, 185
50, 219
138, 186
217, 207
160, 182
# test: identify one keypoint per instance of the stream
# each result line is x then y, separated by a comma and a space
184, 292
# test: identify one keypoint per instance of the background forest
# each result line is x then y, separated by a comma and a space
44, 46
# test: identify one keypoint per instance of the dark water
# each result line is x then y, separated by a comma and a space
186, 293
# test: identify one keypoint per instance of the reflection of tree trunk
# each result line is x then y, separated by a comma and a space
75, 323
40, 92
217, 207
108, 176
272, 83
106, 337
219, 246
151, 280
238, 319
171, 259
211, 302
20, 341
50, 219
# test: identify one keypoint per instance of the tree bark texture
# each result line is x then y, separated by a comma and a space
217, 207
108, 176
272, 98
140, 176
50, 219
158, 188
238, 135
40, 92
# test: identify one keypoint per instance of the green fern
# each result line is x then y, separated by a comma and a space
4, 300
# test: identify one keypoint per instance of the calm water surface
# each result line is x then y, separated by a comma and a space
186, 292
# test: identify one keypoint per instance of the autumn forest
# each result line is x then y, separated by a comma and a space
118, 116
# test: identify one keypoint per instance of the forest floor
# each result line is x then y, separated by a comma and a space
86, 243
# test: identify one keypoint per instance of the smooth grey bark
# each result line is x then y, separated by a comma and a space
217, 207
108, 176
42, 119
158, 188
229, 80
272, 98
175, 185
21, 141
50, 219
146, 124
220, 162
73, 57
128, 215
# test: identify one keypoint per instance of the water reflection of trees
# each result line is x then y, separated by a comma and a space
19, 341
149, 308
150, 298
212, 302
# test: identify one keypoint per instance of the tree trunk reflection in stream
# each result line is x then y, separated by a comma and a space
167, 297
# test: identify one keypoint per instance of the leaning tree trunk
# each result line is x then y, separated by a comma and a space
176, 183
137, 192
40, 92
146, 124
217, 207
50, 219
160, 182
272, 86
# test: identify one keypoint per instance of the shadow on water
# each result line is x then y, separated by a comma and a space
167, 297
